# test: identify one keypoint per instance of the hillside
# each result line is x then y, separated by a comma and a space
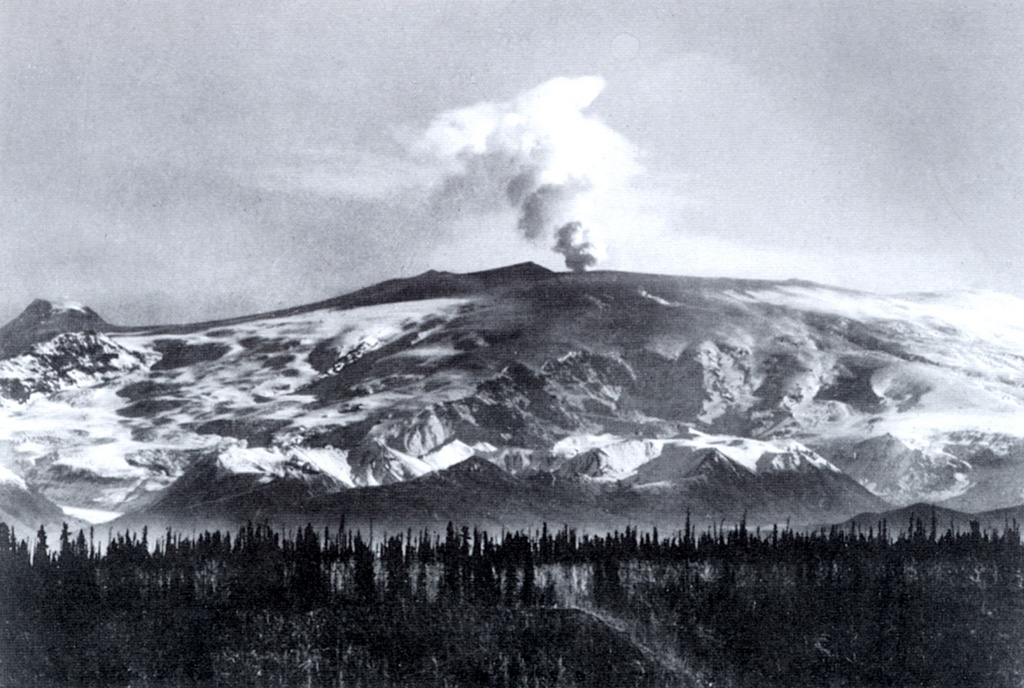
638, 396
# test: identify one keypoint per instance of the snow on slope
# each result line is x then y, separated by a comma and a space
944, 328
758, 456
267, 362
95, 516
613, 372
384, 465
68, 360
81, 430
957, 360
165, 386
61, 307
975, 315
10, 478
292, 461
609, 458
611, 462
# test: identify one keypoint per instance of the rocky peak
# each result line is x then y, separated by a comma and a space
44, 319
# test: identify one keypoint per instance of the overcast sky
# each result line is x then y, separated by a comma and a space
178, 161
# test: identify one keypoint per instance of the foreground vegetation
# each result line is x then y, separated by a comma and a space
328, 608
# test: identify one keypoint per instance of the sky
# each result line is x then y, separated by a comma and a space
178, 161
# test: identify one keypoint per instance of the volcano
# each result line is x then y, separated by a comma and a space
519, 395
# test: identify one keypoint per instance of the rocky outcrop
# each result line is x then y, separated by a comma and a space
902, 474
67, 360
41, 321
554, 377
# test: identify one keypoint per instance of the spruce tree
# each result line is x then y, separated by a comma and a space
365, 584
40, 556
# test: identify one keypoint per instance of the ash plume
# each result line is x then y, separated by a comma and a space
581, 250
538, 154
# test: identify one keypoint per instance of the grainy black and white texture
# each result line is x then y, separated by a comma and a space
186, 162
678, 344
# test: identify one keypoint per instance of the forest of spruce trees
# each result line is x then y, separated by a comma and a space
332, 607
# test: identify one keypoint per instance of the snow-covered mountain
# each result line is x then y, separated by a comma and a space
633, 396
24, 508
44, 319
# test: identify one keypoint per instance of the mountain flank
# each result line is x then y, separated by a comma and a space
608, 397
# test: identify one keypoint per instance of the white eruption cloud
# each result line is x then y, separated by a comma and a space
539, 154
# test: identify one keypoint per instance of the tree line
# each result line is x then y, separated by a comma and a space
174, 610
